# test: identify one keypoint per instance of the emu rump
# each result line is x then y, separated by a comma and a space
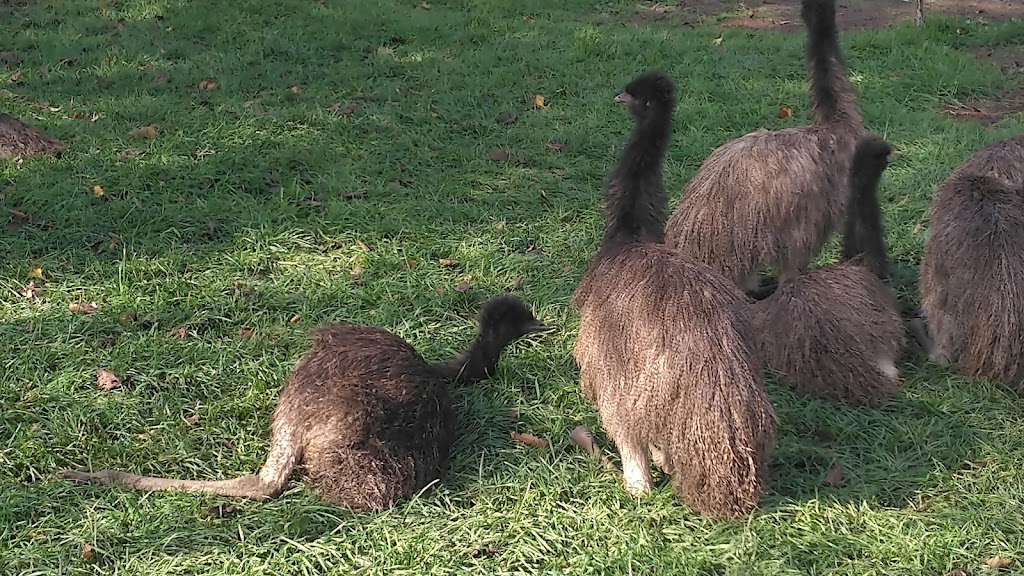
972, 272
20, 139
369, 420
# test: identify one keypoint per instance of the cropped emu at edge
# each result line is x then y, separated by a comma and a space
367, 418
665, 347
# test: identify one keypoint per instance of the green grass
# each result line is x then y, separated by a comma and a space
235, 215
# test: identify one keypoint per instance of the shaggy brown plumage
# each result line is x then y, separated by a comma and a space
665, 348
369, 420
835, 332
972, 272
20, 139
774, 198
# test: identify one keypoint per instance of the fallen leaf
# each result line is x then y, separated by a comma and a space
529, 440
207, 84
499, 155
108, 342
462, 287
219, 511
718, 41
192, 420
834, 476
36, 273
88, 552
180, 332
159, 80
518, 282
248, 103
295, 89
106, 380
246, 333
998, 562
785, 112
346, 110
83, 308
363, 245
917, 229
294, 318
424, 5
356, 271
538, 102
488, 550
148, 131
567, 269
129, 318
555, 145
507, 118
544, 196
448, 262
532, 249
978, 463
15, 77
354, 195
31, 291
97, 191
500, 225
130, 154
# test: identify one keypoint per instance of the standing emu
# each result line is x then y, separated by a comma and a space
775, 198
665, 347
972, 272
835, 332
369, 420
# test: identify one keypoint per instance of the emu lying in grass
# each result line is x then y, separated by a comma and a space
18, 139
367, 418
835, 333
665, 347
972, 272
773, 198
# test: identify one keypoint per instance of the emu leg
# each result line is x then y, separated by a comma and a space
636, 473
249, 486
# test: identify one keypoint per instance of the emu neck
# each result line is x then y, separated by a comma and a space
478, 362
635, 200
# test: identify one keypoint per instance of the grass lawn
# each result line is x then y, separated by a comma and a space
314, 162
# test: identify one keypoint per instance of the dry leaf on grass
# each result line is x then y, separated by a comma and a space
207, 84
998, 562
424, 6
36, 273
363, 245
246, 333
129, 318
448, 262
98, 192
16, 77
529, 440
515, 285
148, 131
507, 118
718, 41
294, 319
180, 333
785, 112
192, 420
357, 195
88, 552
538, 102
83, 307
219, 511
31, 291
344, 109
462, 287
356, 271
295, 89
834, 476
499, 155
555, 146
107, 380
159, 80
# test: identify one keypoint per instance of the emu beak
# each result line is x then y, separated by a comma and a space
540, 327
623, 98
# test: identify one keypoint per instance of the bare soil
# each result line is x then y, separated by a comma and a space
850, 14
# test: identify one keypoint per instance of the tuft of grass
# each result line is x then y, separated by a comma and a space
238, 214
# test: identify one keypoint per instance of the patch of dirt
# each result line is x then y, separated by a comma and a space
785, 15
1011, 60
